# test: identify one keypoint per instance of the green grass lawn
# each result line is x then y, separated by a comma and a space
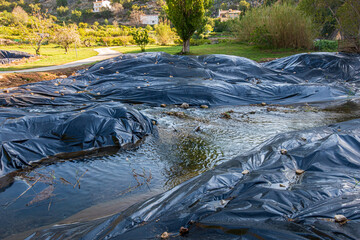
237, 49
50, 55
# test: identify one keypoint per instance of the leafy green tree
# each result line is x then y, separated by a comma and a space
187, 16
141, 38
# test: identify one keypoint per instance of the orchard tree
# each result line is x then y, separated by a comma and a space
38, 29
187, 16
67, 35
141, 38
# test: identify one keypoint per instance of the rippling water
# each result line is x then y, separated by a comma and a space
183, 147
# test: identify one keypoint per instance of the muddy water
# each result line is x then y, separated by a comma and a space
184, 146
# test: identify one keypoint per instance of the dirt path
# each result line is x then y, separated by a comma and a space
104, 53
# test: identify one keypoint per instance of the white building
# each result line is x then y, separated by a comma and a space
149, 19
98, 4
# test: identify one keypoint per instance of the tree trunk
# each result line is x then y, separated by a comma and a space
37, 50
186, 47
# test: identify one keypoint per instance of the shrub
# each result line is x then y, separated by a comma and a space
326, 45
164, 34
197, 42
278, 26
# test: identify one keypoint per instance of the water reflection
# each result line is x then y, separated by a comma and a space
187, 156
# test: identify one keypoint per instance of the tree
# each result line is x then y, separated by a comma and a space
76, 15
20, 16
343, 14
67, 35
187, 16
141, 38
40, 29
244, 6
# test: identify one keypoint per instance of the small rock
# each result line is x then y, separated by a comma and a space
154, 122
101, 68
263, 104
171, 76
283, 151
165, 235
56, 92
340, 219
138, 87
185, 106
32, 93
52, 98
204, 106
7, 91
197, 129
163, 105
299, 171
245, 172
303, 138
117, 72
282, 185
183, 231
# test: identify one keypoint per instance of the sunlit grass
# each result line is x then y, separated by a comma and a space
237, 49
50, 55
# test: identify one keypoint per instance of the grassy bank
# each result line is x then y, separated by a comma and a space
50, 55
237, 49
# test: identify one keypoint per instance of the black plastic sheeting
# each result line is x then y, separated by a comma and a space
27, 138
11, 56
224, 203
213, 80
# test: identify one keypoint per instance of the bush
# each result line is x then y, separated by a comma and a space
197, 42
326, 45
221, 26
277, 26
164, 34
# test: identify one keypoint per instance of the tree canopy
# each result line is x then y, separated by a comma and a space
187, 16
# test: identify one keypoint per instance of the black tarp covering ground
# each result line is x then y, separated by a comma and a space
27, 138
7, 57
270, 202
214, 80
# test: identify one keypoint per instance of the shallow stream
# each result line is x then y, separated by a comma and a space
185, 145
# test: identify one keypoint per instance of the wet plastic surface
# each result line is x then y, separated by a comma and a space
213, 80
27, 138
272, 201
11, 56
83, 116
